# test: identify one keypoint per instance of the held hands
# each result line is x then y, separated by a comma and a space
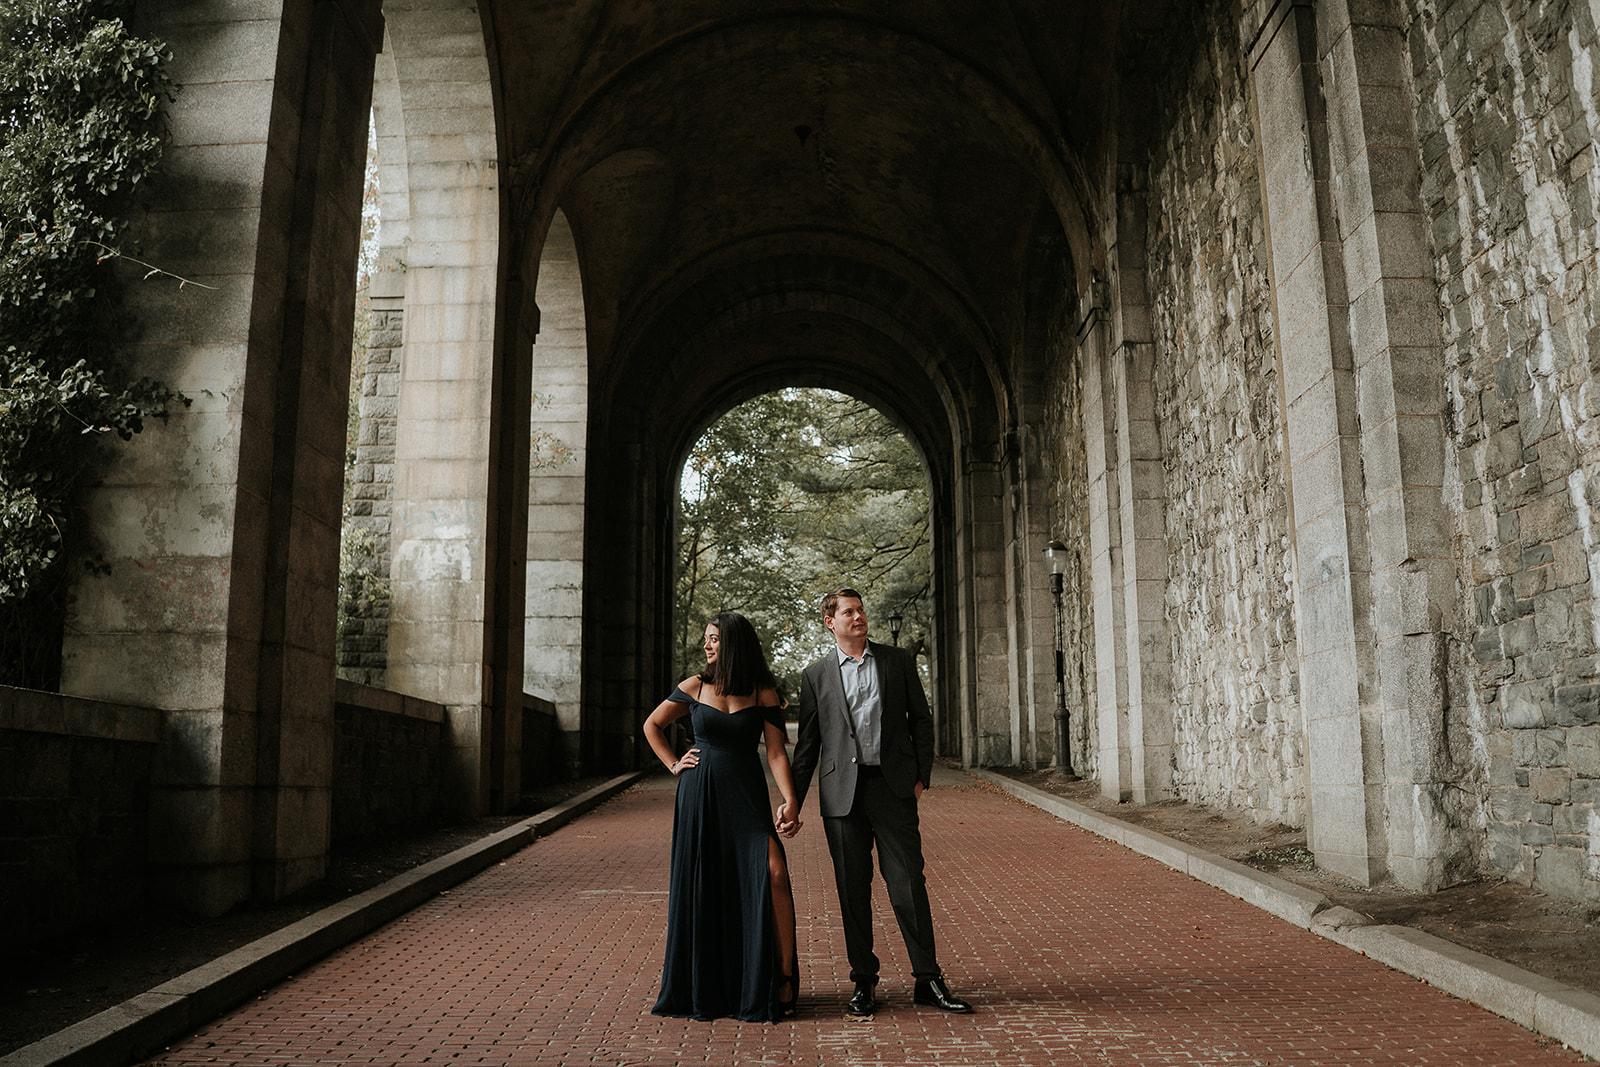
786, 824
689, 759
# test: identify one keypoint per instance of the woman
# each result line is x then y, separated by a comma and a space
730, 915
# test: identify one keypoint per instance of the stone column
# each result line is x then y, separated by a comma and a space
1141, 496
984, 592
221, 530
1031, 616
1396, 354
1359, 350
1115, 758
553, 641
1309, 304
445, 445
628, 652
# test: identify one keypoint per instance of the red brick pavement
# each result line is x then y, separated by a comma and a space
1074, 951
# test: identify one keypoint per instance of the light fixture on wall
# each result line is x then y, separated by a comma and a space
1055, 559
896, 620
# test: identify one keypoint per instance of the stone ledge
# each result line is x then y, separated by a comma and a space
53, 713
142, 1024
1543, 1005
357, 695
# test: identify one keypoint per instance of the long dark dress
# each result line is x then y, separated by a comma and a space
721, 957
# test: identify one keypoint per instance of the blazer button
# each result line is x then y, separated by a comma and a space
852, 759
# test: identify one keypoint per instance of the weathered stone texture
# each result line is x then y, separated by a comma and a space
1238, 737
388, 765
363, 641
1506, 117
1068, 478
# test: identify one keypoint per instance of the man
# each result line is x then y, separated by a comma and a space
864, 722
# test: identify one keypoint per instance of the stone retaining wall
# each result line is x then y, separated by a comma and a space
388, 763
74, 789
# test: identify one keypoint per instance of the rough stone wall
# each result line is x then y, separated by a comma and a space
1507, 111
363, 653
1238, 737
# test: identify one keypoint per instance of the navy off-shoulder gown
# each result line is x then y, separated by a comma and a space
721, 959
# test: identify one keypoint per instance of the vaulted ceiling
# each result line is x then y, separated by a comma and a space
721, 160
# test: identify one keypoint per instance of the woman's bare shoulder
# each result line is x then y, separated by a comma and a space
691, 685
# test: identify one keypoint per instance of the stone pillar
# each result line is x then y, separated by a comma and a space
553, 641
989, 742
445, 445
1106, 557
1141, 496
1396, 354
1337, 672
1358, 333
1031, 613
627, 648
221, 532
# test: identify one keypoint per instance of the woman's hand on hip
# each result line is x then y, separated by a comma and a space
689, 759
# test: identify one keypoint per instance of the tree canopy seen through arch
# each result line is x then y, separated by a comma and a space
787, 496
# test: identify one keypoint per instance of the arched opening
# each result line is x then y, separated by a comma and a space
552, 664
792, 493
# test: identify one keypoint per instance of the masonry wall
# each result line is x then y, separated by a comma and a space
363, 652
1238, 737
388, 764
1507, 112
74, 824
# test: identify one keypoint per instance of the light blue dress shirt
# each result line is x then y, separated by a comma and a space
862, 697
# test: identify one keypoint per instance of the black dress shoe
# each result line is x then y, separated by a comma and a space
862, 1003
934, 993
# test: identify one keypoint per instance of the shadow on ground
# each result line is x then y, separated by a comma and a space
52, 986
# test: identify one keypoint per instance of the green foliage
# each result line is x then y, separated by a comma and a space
792, 494
363, 594
80, 128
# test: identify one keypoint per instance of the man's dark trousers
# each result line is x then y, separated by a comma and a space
877, 815
871, 806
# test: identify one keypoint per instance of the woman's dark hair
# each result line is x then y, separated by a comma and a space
741, 667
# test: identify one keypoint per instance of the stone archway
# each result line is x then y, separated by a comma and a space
219, 537
913, 295
840, 197
439, 266
782, 604
804, 330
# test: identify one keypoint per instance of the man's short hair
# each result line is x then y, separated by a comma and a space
830, 602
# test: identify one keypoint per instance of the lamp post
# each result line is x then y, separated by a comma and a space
896, 620
1055, 558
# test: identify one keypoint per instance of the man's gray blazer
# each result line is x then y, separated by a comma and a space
827, 744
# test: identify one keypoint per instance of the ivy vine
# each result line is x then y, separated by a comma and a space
81, 127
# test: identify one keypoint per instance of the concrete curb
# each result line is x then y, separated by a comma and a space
1545, 1006
142, 1024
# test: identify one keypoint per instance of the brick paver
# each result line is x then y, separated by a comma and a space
1074, 951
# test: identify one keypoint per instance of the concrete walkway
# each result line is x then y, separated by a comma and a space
1074, 949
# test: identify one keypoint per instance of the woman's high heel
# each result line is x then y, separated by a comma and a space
786, 1008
